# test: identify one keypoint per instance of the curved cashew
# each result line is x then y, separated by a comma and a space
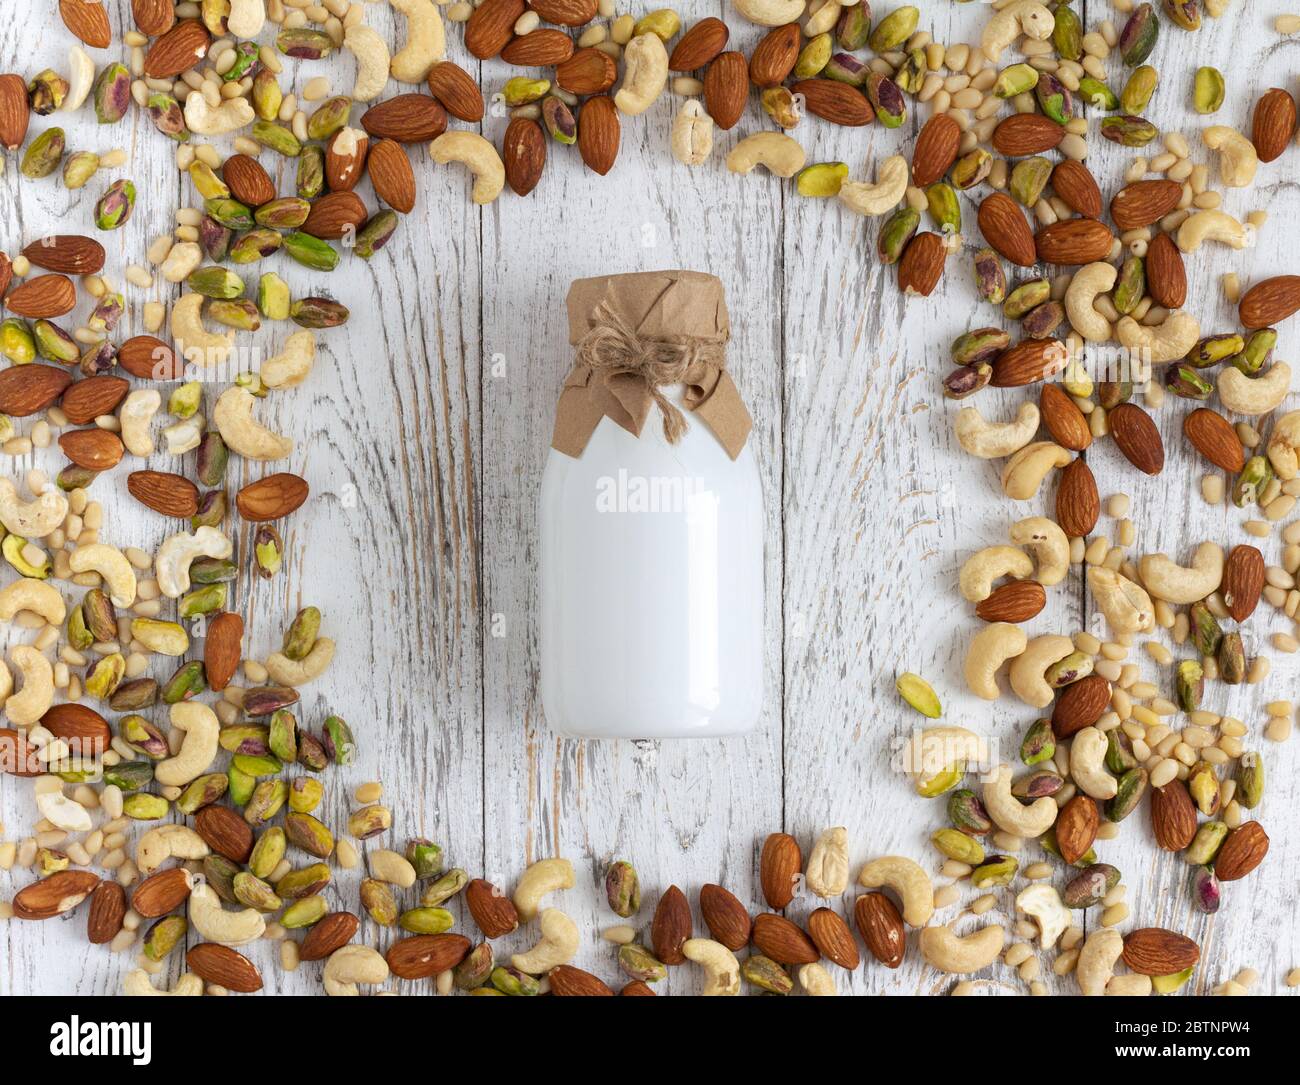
1283, 446
36, 596
246, 18
1126, 605
1097, 960
32, 519
1026, 672
1026, 17
992, 563
1175, 583
721, 969
389, 867
1129, 985
1089, 281
1024, 472
544, 876
1167, 341
1088, 764
1211, 226
135, 414
168, 842
298, 672
291, 366
692, 136
770, 12
6, 681
81, 77
1047, 542
172, 563
34, 698
478, 155
184, 436
426, 42
205, 120
194, 342
63, 812
138, 982
815, 980
908, 879
1010, 814
233, 417
937, 749
110, 563
199, 748
1254, 395
958, 956
991, 440
1237, 157
1044, 904
350, 965
827, 870
216, 924
989, 649
775, 150
558, 944
883, 196
371, 52
645, 71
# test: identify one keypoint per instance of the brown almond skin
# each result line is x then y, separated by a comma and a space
1167, 274
727, 919
1144, 202
881, 928
1214, 437
1004, 227
178, 50
161, 893
832, 937
71, 254
343, 169
54, 895
1076, 185
1076, 827
1173, 817
699, 45
921, 266
331, 933
671, 926
1154, 951
936, 149
1242, 851
225, 832
1026, 133
1014, 602
247, 180
494, 912
1029, 361
94, 449
407, 118
1080, 705
272, 497
778, 938
1073, 241
1063, 419
88, 20
779, 867
599, 133
588, 71
491, 26
1137, 437
1243, 580
1273, 124
425, 955
78, 724
391, 173
570, 982
223, 966
149, 358
1078, 505
107, 910
523, 152
87, 399
726, 88
15, 114
1269, 302
171, 495
637, 989
835, 102
541, 48
50, 295
222, 649
566, 12
455, 88
775, 56
17, 758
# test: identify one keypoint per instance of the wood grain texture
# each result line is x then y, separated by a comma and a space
423, 432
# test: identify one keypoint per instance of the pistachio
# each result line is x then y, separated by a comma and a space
143, 737
763, 972
104, 675
510, 981
264, 700
639, 963
1119, 752
311, 251
309, 180
894, 29
13, 548
275, 137
1097, 94
425, 858
220, 874
44, 154
972, 348
813, 57
941, 200
1026, 296
245, 738
144, 807
1039, 743
246, 62
944, 780
98, 358
779, 104
474, 970
1067, 33
107, 312
258, 765
1138, 37
1203, 786
46, 91
267, 798
559, 121
1205, 630
1205, 890
1167, 985
1048, 843
318, 313
1089, 887
311, 752
241, 786
918, 693
895, 233
995, 870
206, 182
822, 179
1206, 843
377, 232
1036, 785
266, 95
623, 889
339, 743
49, 861
1191, 684
1256, 352
310, 834
17, 342
1232, 659
129, 775
1017, 79
253, 892
1043, 319
1250, 779
164, 936
211, 463
1054, 98
910, 75
112, 93
230, 213
664, 23
202, 792
444, 888
298, 884
211, 597
378, 900
370, 821
240, 313
1254, 476
1207, 90
304, 44
966, 811
966, 380
957, 845
78, 168
1184, 13
1130, 286
284, 213
1127, 794
214, 239
520, 90
970, 169
1111, 394
282, 736
1028, 178
305, 793
887, 99
137, 693
853, 27
273, 293
304, 913
426, 920
165, 112
1129, 131
1137, 91
990, 279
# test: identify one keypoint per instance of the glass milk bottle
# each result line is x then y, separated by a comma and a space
651, 521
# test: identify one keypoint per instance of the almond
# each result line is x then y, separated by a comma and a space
1076, 828
94, 449
222, 648
333, 932
107, 910
1004, 227
15, 111
835, 102
1024, 134
1243, 850
17, 758
588, 71
149, 358
271, 497
248, 182
1270, 302
81, 727
1063, 419
565, 12
1214, 437
153, 17
542, 48
224, 967
491, 26
1075, 184
1029, 361
599, 133
881, 928
42, 296
26, 389
335, 215
455, 88
1137, 437
91, 397
936, 149
1154, 951
671, 926
171, 495
726, 89
492, 910
178, 50
345, 159
225, 832
779, 867
774, 57
1243, 580
699, 45
161, 893
1078, 504
1173, 815
727, 919
1166, 273
69, 253
407, 118
1014, 602
88, 21
778, 938
523, 152
1073, 241
637, 988
1080, 705
425, 955
6, 273
391, 174
570, 982
59, 893
833, 939
921, 265
1144, 202
1273, 125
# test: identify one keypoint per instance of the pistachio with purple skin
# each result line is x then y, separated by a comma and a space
229, 212
114, 208
1129, 792
202, 792
1111, 394
304, 44
188, 680
240, 313
44, 154
1119, 752
137, 693
558, 118
214, 239
474, 970
1129, 131
1026, 296
143, 737
54, 344
245, 738
100, 615
1185, 382
285, 213
1205, 890
1028, 178
212, 507
969, 170
268, 551
846, 68
1206, 843
979, 345
1054, 98
318, 313
107, 312
1042, 320
311, 752
267, 799
967, 812
165, 112
966, 380
46, 91
885, 96
376, 233
1036, 785
1184, 13
309, 181
98, 358
112, 93
895, 233
425, 857
78, 168
1039, 743
623, 889
1088, 888
1138, 37
246, 62
1131, 285
339, 743
853, 27
779, 104
990, 279
256, 244
212, 459
264, 700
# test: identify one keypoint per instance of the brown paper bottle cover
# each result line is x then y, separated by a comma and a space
636, 333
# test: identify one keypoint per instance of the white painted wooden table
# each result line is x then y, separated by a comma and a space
423, 432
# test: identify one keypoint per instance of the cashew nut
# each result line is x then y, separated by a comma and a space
1283, 446
172, 563
692, 136
1043, 903
426, 42
544, 876
775, 150
935, 749
1097, 958
1047, 542
81, 77
206, 120
371, 52
721, 969
36, 694
1237, 157
168, 842
233, 417
63, 812
184, 436
1026, 672
199, 748
645, 71
350, 965
245, 18
32, 519
135, 414
1211, 226
478, 155
989, 649
992, 563
216, 924
1089, 281
1088, 764
1026, 17
908, 879
558, 944
770, 12
1175, 583
883, 196
1024, 472
35, 596
389, 867
958, 956
815, 980
298, 672
991, 440
1254, 395
1009, 813
827, 869
111, 564
1126, 605
194, 342
138, 982
1129, 985
291, 366
1167, 341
